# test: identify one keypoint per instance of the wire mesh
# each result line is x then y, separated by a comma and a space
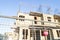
5, 27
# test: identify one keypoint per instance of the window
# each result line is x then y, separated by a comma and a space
42, 23
41, 32
25, 33
49, 19
42, 20
31, 33
50, 35
35, 22
21, 16
58, 33
35, 18
37, 34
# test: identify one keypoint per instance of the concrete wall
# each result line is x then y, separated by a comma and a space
25, 24
45, 19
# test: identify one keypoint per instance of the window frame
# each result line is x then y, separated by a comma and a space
21, 16
49, 19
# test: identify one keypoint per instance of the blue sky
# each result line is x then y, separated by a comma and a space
10, 7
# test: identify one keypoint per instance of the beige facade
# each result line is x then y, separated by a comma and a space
27, 33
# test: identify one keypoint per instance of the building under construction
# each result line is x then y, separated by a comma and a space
32, 25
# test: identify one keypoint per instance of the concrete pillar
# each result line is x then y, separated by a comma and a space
40, 34
54, 33
28, 34
31, 38
20, 34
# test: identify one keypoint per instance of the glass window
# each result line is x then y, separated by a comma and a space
35, 22
42, 23
37, 34
58, 33
21, 16
31, 33
25, 33
49, 18
35, 18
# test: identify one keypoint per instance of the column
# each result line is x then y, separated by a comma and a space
20, 34
28, 34
54, 34
40, 34
35, 33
